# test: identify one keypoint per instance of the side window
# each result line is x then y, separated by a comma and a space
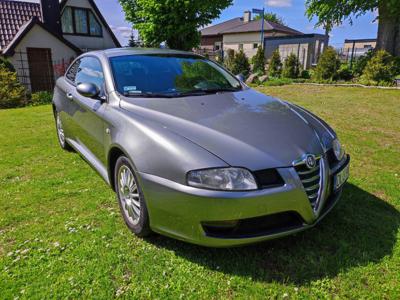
71, 73
90, 71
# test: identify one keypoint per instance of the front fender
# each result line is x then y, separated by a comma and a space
155, 150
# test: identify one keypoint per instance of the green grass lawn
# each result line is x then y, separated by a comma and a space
61, 235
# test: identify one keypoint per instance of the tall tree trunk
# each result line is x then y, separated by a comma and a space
388, 30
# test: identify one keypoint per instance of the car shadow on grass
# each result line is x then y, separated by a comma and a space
362, 229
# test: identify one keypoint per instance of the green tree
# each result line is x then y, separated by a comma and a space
275, 65
174, 22
195, 74
328, 65
6, 64
291, 67
380, 68
241, 64
361, 62
12, 93
258, 61
133, 42
229, 58
334, 12
272, 17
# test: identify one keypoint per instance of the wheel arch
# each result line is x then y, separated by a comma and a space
114, 153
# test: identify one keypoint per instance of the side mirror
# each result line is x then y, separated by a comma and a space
240, 77
87, 89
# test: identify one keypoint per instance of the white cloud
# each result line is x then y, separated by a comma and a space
279, 3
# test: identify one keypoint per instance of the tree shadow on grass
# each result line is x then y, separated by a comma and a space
360, 230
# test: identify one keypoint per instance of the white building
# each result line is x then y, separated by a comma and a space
41, 39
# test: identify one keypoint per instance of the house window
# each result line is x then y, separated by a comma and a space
80, 21
240, 46
66, 21
255, 46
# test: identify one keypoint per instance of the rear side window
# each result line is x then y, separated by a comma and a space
90, 71
71, 73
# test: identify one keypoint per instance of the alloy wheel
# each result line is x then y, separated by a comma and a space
60, 130
129, 195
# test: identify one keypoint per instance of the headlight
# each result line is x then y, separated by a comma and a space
226, 179
337, 149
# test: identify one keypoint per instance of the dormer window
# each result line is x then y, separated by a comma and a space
80, 21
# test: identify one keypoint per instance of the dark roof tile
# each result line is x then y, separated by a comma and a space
14, 14
237, 25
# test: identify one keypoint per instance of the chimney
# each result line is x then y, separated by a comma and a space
247, 16
51, 15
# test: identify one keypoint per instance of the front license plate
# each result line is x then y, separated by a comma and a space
341, 177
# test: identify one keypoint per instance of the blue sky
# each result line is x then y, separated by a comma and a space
292, 12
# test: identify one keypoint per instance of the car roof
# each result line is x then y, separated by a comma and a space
139, 51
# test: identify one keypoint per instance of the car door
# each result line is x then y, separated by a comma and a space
87, 125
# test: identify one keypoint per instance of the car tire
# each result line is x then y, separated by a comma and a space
60, 133
131, 198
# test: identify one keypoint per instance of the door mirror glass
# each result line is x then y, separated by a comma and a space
87, 89
240, 77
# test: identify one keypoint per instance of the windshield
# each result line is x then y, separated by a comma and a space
169, 76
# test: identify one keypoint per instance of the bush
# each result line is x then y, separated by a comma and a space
275, 65
291, 67
241, 64
6, 64
305, 74
12, 93
380, 69
258, 61
360, 63
328, 66
228, 61
345, 73
40, 98
396, 66
278, 82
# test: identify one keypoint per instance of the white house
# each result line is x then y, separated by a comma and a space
41, 39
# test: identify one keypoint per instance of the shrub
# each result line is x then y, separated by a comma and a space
396, 66
6, 64
345, 73
40, 98
275, 65
241, 64
278, 81
328, 66
12, 93
291, 67
229, 58
379, 69
361, 62
305, 74
258, 61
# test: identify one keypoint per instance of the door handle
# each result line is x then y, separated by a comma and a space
69, 96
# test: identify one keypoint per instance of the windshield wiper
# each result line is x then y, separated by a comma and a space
200, 92
150, 95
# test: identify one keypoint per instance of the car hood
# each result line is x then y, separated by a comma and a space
244, 128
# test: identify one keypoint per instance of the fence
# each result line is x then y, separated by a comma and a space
39, 73
348, 55
211, 54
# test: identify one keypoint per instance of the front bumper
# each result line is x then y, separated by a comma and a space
181, 212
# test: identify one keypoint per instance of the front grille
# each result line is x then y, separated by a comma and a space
311, 180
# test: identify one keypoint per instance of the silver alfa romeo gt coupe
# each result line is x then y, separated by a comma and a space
192, 152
